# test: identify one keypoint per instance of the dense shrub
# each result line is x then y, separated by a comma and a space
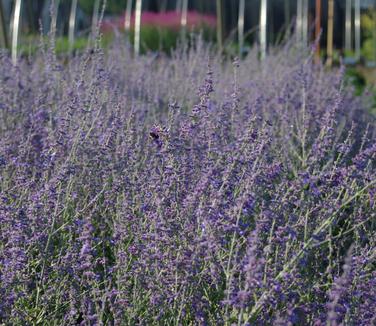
184, 190
162, 31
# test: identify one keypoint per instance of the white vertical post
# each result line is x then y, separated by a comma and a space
263, 26
287, 16
55, 7
94, 21
299, 20
137, 29
15, 29
241, 26
305, 23
184, 14
128, 13
219, 24
72, 24
348, 26
357, 29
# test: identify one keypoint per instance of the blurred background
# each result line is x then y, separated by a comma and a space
346, 29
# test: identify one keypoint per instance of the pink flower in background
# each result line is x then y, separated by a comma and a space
168, 19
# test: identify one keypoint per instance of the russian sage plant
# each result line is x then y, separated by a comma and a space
188, 189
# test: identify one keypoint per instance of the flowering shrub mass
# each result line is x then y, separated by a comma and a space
168, 19
185, 190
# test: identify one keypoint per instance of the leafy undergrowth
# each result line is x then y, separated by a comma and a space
185, 190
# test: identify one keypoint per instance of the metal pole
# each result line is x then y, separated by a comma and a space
348, 26
3, 29
241, 26
317, 30
305, 22
263, 26
94, 21
330, 32
55, 8
15, 29
184, 14
299, 20
287, 16
219, 24
357, 28
128, 13
137, 29
72, 24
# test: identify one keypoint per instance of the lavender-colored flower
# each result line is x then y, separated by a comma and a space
166, 190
